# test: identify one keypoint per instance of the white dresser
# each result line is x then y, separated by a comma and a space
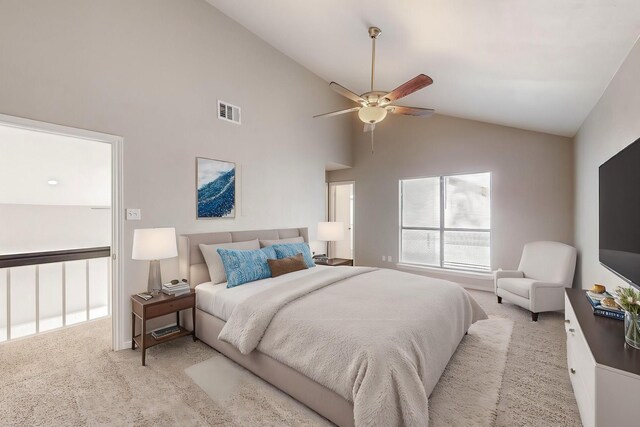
604, 371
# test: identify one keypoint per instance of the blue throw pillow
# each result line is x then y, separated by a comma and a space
270, 252
286, 250
243, 266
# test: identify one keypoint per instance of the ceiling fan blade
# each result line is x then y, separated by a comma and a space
369, 127
415, 84
411, 111
337, 113
347, 93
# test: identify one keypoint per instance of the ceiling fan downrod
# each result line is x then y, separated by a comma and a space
374, 32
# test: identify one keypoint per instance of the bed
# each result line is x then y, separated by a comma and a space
314, 333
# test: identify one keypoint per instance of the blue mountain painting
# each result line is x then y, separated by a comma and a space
217, 198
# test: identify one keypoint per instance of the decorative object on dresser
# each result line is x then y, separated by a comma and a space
332, 231
604, 372
545, 269
154, 244
215, 188
629, 300
160, 305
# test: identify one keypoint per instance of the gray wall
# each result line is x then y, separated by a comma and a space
613, 124
532, 189
151, 71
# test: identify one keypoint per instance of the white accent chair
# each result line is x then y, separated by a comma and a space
545, 269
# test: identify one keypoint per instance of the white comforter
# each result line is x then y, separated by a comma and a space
378, 338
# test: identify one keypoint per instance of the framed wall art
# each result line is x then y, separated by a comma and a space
216, 188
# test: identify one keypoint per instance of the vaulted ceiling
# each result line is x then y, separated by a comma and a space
540, 65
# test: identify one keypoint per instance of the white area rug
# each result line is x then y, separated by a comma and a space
467, 394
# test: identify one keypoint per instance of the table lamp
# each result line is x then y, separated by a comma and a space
330, 232
154, 244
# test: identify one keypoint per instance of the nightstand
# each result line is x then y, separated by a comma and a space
160, 305
333, 262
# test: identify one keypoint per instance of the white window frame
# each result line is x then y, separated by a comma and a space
441, 229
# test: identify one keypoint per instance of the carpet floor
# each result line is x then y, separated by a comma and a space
70, 377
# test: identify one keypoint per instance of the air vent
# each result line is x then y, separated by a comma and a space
228, 112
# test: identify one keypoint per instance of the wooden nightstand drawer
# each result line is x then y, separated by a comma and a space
170, 307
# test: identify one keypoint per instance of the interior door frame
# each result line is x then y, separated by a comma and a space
117, 227
331, 211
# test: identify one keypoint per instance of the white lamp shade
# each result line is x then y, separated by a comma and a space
330, 231
154, 243
372, 114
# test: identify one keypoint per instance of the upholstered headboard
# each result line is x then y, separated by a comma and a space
192, 265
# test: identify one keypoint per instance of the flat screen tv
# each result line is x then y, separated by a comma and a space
620, 214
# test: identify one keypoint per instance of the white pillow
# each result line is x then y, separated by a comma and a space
214, 262
265, 243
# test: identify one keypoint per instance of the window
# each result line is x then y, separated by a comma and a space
446, 221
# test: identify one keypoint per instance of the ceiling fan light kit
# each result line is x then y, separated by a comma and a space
374, 105
372, 115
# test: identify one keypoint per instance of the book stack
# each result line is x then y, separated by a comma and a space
599, 309
165, 332
176, 289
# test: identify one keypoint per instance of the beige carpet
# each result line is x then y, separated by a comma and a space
70, 377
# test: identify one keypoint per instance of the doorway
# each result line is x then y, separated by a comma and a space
341, 209
58, 258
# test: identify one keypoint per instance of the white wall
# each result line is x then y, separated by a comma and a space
531, 188
31, 158
37, 228
613, 124
152, 71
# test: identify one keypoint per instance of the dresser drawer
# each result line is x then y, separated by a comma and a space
580, 374
581, 367
170, 307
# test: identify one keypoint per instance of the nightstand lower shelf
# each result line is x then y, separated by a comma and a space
150, 341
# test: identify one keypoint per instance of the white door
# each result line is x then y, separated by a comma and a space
341, 207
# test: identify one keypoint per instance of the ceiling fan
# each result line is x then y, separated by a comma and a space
374, 105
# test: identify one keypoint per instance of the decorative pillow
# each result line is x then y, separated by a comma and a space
282, 266
270, 252
291, 249
244, 266
214, 263
266, 243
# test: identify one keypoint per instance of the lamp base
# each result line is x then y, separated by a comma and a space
155, 282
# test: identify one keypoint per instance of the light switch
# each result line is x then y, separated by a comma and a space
384, 258
134, 215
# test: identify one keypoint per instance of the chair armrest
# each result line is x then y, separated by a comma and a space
535, 285
503, 274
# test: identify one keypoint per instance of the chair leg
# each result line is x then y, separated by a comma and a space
534, 316
499, 300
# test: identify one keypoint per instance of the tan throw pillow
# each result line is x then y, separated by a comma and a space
287, 265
